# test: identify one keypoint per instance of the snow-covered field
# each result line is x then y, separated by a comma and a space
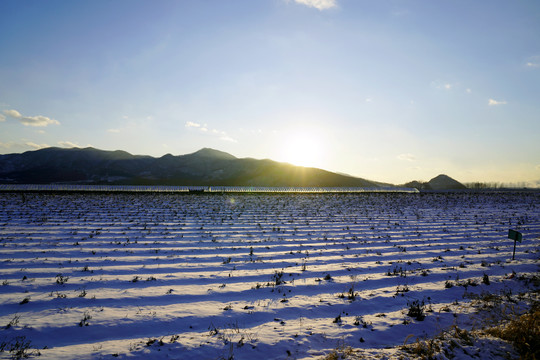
248, 276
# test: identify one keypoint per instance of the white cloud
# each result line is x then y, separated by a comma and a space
406, 157
68, 144
318, 4
493, 102
31, 120
226, 137
206, 130
2, 117
38, 121
13, 113
468, 91
115, 131
36, 146
192, 124
533, 62
437, 84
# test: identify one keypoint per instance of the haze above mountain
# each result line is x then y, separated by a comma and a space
207, 167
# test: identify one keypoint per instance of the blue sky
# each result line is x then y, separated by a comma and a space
390, 90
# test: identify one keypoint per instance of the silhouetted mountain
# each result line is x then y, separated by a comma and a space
204, 167
211, 153
440, 182
444, 182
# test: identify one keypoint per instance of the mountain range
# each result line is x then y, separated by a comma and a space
206, 167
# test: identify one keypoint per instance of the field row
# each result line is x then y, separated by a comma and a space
207, 276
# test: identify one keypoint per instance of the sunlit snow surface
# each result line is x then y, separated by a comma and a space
252, 276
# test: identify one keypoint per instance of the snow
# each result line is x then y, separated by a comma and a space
269, 276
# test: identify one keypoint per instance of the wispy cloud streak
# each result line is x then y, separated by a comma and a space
493, 102
39, 121
406, 157
533, 62
318, 4
222, 135
36, 146
68, 144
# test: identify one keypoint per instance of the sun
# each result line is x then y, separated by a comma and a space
302, 149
